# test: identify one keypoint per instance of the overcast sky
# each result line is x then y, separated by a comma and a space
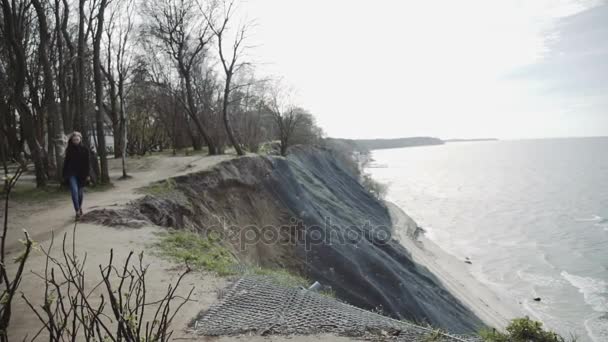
470, 68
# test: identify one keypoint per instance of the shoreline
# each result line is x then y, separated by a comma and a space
453, 273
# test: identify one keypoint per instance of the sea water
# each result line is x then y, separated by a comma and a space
532, 215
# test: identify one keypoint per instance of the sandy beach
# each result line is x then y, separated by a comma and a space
453, 273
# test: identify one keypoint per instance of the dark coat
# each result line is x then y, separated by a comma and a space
76, 163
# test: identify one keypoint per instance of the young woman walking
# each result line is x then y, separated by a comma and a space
76, 170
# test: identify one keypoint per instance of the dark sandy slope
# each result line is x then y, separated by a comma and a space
363, 267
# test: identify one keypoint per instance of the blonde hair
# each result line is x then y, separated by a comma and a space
75, 134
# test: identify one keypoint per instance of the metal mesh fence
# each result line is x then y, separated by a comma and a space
257, 305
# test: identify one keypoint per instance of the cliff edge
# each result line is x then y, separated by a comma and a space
309, 214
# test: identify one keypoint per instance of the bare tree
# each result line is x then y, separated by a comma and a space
294, 124
254, 120
56, 124
109, 72
118, 75
65, 63
185, 37
99, 108
231, 61
15, 28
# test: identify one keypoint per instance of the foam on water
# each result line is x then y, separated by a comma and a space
539, 279
597, 328
594, 218
595, 291
598, 221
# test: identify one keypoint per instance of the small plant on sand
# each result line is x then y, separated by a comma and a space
281, 276
374, 187
9, 283
522, 330
197, 251
116, 308
159, 188
434, 336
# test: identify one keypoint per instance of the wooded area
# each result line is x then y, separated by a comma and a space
152, 75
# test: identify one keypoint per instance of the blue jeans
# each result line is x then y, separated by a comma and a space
77, 193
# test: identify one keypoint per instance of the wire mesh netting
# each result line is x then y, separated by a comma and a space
257, 305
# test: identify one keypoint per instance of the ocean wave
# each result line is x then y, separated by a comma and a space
594, 218
602, 224
594, 291
536, 279
597, 220
597, 328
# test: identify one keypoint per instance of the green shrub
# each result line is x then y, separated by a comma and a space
522, 330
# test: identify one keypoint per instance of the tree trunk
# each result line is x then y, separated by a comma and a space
194, 115
117, 135
61, 72
123, 130
56, 124
114, 116
237, 146
114, 111
196, 142
81, 92
283, 148
71, 106
99, 111
36, 150
13, 29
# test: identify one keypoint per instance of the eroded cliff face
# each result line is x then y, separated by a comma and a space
307, 213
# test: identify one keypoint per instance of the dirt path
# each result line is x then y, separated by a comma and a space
40, 218
43, 219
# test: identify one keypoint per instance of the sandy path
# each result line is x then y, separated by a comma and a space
44, 219
40, 219
453, 273
96, 241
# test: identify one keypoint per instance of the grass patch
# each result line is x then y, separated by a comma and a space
100, 187
522, 330
30, 193
199, 252
159, 188
209, 255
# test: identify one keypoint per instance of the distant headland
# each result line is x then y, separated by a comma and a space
378, 144
469, 140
